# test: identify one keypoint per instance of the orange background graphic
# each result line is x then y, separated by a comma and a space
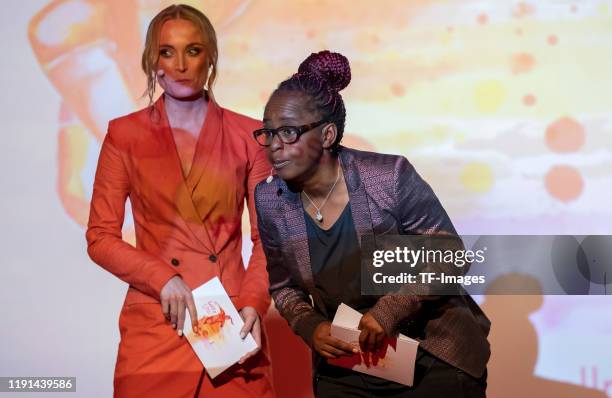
504, 107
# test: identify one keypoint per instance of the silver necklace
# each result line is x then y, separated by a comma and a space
319, 216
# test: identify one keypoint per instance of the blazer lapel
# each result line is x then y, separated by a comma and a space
210, 137
360, 208
182, 196
296, 228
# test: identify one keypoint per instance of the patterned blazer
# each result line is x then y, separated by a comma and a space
387, 196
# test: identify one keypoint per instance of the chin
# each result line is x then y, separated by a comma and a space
287, 174
290, 175
282, 173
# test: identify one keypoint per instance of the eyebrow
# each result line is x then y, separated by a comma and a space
188, 45
283, 120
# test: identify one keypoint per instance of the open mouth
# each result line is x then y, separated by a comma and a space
280, 165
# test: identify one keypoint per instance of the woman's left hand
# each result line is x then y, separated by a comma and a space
252, 324
372, 334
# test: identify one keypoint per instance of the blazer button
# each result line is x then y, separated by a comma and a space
175, 262
212, 258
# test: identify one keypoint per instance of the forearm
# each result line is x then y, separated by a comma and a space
299, 313
139, 269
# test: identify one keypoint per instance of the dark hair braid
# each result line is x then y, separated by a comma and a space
321, 76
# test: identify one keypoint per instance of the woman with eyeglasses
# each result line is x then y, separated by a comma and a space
312, 216
187, 166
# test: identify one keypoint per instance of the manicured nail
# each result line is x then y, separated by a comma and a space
242, 335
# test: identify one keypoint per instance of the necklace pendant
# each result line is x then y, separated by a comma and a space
319, 216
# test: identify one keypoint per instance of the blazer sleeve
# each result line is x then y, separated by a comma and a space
105, 245
419, 212
291, 301
254, 287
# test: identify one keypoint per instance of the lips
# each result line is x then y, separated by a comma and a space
279, 164
183, 80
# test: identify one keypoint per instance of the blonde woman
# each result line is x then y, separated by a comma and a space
187, 166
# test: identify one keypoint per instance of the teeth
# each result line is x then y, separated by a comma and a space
281, 164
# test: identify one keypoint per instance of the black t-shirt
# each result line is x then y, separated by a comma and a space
335, 260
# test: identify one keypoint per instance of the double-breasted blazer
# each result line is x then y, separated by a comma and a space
386, 195
185, 225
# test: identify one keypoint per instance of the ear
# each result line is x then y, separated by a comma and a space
329, 134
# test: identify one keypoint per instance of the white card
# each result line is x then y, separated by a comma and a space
395, 361
217, 343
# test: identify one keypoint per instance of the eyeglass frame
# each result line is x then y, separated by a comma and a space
300, 131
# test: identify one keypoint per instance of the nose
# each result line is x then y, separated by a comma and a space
276, 143
181, 63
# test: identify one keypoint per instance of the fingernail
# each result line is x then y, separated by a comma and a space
174, 326
242, 335
180, 332
355, 350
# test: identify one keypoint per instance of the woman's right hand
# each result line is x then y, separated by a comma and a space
175, 298
328, 346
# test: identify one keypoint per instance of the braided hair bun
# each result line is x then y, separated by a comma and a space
331, 69
320, 77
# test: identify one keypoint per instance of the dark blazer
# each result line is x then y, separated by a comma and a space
387, 196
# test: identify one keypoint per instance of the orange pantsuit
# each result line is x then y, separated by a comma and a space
185, 225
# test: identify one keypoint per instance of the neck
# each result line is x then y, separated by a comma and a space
186, 115
323, 178
185, 107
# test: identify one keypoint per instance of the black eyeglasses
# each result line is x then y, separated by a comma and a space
287, 134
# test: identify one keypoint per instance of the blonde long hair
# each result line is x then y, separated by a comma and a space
150, 55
